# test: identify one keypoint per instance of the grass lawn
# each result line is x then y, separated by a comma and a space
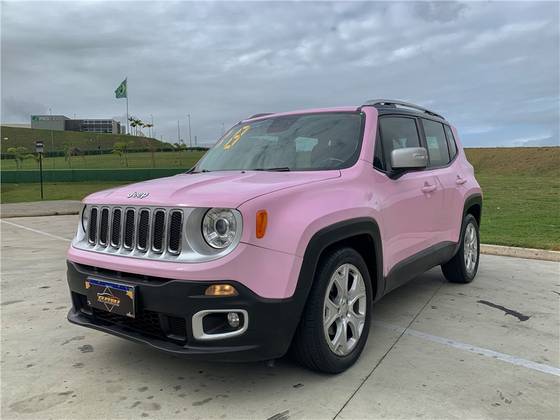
16, 193
183, 159
520, 211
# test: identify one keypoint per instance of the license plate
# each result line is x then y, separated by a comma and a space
112, 297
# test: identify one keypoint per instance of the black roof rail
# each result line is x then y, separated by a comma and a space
394, 103
263, 114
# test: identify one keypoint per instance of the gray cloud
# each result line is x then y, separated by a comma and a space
491, 68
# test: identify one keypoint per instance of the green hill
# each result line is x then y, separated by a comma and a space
26, 137
521, 161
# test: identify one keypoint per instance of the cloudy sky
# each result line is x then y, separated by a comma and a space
491, 68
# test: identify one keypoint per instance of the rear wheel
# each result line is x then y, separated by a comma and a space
462, 268
335, 323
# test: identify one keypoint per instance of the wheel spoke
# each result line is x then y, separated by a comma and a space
331, 313
340, 340
357, 290
341, 280
356, 322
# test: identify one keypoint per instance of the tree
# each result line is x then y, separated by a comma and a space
69, 152
20, 153
121, 148
152, 147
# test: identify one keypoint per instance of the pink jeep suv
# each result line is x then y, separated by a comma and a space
281, 237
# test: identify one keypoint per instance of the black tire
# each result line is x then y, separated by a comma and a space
455, 270
310, 347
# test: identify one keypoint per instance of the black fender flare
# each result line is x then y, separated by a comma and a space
332, 234
470, 201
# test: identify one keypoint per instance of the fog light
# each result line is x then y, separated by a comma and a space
221, 290
233, 319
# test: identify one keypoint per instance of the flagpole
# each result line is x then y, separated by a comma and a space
127, 127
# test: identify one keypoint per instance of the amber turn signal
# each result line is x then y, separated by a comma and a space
221, 290
262, 220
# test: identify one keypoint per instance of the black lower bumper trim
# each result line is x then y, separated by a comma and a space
165, 310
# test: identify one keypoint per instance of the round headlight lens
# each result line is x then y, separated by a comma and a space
219, 228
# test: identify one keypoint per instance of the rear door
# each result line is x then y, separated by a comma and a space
442, 164
410, 204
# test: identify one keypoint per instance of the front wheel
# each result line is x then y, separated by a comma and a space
462, 268
335, 322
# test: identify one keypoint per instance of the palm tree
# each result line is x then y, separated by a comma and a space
19, 153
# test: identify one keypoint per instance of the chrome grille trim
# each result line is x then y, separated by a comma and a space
175, 241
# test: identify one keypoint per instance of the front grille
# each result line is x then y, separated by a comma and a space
128, 230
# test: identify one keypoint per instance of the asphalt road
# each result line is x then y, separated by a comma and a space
489, 349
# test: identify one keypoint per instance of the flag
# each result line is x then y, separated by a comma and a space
120, 92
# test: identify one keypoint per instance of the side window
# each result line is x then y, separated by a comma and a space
436, 142
450, 142
397, 133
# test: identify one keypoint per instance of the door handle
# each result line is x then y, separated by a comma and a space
427, 188
460, 181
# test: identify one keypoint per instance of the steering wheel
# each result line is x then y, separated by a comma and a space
327, 160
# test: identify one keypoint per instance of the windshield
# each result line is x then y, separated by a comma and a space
292, 143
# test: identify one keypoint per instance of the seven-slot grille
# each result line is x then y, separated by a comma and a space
136, 229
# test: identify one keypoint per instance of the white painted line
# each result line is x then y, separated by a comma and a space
60, 238
508, 358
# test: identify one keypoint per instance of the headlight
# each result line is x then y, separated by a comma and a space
219, 228
85, 217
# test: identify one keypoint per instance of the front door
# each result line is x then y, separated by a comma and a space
411, 205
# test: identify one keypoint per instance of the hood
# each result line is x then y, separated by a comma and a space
227, 189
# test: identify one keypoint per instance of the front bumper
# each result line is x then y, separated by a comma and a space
165, 308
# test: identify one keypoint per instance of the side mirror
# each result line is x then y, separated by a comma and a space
409, 158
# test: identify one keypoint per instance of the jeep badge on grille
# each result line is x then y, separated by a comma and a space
139, 195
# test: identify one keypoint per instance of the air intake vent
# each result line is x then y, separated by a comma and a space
175, 232
159, 229
92, 228
116, 228
104, 228
129, 229
143, 229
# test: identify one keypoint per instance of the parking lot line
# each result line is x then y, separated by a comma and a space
508, 358
60, 238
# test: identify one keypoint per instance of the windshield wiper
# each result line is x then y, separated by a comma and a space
192, 171
279, 169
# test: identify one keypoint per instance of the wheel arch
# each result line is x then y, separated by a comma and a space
362, 234
473, 205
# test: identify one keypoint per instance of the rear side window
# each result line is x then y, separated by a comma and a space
436, 142
450, 142
397, 133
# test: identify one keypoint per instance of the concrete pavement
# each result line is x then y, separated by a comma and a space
489, 349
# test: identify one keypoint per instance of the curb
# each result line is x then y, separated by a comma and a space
40, 208
529, 253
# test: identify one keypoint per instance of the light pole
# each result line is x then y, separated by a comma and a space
178, 133
190, 138
152, 125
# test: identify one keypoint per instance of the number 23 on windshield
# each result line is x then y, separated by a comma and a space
236, 137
